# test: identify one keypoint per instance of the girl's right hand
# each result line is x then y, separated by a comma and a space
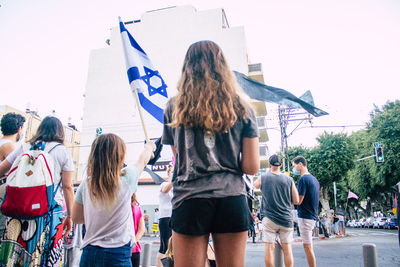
151, 146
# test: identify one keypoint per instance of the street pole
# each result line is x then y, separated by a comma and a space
282, 125
334, 192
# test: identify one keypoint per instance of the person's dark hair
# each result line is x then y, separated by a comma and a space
299, 159
275, 160
11, 122
50, 130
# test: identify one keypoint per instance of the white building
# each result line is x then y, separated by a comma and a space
165, 36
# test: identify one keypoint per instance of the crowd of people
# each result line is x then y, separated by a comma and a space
212, 131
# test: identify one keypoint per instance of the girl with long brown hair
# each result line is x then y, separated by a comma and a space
213, 134
103, 202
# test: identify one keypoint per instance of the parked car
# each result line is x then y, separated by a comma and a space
362, 222
379, 222
369, 223
351, 223
358, 224
391, 223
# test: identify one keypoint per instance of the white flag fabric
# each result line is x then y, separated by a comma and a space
352, 195
143, 77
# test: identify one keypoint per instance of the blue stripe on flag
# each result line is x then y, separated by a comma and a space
133, 74
131, 40
154, 110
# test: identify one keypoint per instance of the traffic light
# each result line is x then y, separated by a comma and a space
379, 154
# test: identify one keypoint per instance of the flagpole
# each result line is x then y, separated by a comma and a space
136, 97
141, 115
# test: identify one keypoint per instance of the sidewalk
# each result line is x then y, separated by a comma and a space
297, 239
150, 239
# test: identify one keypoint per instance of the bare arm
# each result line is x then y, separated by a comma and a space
145, 156
301, 198
68, 190
166, 188
257, 184
250, 156
173, 151
78, 213
5, 150
141, 229
4, 167
295, 194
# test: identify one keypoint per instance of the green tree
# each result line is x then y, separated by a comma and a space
329, 162
371, 180
332, 159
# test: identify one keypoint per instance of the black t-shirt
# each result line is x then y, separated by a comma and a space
207, 165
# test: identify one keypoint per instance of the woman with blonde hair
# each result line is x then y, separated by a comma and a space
103, 203
213, 134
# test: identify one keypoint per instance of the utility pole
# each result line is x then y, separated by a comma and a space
286, 115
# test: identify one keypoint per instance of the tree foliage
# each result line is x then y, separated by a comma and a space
329, 161
368, 179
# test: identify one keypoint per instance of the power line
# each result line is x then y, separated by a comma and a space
335, 126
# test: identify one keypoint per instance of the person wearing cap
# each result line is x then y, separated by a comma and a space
278, 194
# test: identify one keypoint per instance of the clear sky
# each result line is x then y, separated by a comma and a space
346, 52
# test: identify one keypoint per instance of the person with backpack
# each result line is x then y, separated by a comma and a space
34, 231
213, 134
12, 129
103, 202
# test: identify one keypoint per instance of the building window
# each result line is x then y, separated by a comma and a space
255, 67
263, 150
68, 135
261, 122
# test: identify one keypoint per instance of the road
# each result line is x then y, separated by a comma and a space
343, 252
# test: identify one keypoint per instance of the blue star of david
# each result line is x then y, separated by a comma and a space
162, 90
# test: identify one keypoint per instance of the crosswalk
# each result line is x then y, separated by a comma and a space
371, 233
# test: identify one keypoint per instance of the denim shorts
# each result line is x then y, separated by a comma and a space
200, 216
94, 256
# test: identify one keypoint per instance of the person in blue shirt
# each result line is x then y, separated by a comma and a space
308, 188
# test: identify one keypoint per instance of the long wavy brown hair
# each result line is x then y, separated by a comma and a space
208, 95
105, 162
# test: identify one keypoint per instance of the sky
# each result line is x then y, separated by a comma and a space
346, 52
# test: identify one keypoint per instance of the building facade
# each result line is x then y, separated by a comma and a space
32, 122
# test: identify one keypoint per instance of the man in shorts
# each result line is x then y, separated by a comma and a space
278, 194
308, 188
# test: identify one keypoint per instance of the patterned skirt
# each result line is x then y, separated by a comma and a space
33, 243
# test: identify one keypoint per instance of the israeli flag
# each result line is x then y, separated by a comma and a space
143, 77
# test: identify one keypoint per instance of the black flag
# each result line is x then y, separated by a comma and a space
263, 92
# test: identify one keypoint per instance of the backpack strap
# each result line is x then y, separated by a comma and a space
26, 147
50, 146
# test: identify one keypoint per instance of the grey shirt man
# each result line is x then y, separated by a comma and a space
276, 202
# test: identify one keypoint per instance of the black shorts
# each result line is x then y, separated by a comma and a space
165, 234
201, 216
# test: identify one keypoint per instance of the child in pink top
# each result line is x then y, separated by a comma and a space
138, 223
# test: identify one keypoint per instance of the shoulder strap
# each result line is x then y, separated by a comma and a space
50, 146
26, 147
